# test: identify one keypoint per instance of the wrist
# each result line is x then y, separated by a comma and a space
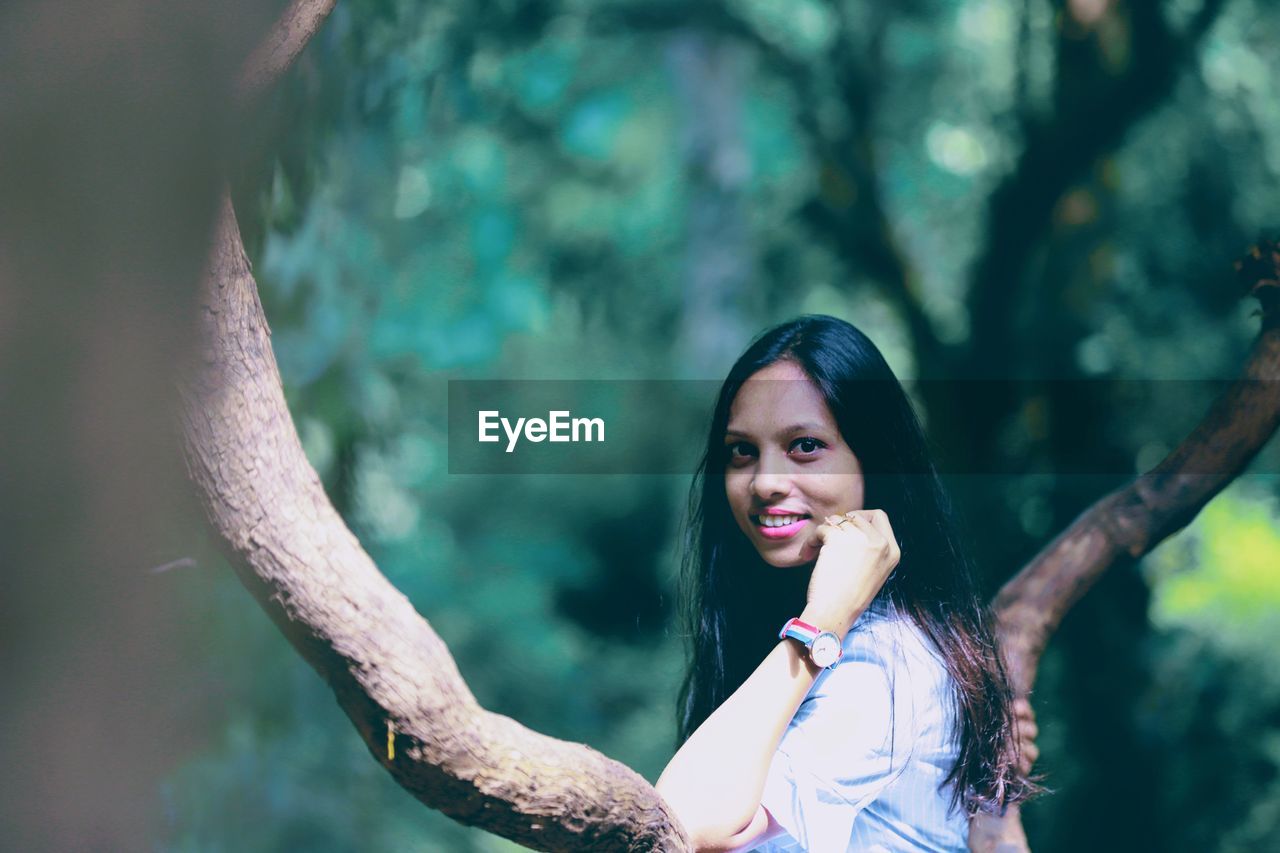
822, 647
826, 620
806, 660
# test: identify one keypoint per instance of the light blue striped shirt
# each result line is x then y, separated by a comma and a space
853, 774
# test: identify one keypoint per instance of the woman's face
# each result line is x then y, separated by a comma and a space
787, 462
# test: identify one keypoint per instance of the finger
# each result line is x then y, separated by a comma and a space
875, 516
880, 521
857, 522
1028, 730
816, 540
876, 520
839, 522
822, 532
873, 534
856, 517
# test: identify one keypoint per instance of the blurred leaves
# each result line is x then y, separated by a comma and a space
1219, 578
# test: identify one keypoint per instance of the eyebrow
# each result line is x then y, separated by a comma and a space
788, 430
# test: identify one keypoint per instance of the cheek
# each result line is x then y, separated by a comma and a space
734, 488
845, 490
856, 487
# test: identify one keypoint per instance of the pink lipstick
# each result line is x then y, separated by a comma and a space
786, 531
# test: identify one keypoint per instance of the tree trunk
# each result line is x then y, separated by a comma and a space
112, 122
708, 72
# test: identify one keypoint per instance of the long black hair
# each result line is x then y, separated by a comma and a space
732, 598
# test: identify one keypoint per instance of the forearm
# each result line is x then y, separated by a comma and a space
714, 782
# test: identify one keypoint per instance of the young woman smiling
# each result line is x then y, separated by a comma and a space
881, 718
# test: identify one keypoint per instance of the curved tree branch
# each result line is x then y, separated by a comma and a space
1131, 521
389, 671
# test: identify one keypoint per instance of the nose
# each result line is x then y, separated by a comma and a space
771, 479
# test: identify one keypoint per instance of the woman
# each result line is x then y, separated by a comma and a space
817, 498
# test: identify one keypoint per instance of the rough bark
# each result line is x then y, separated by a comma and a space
389, 671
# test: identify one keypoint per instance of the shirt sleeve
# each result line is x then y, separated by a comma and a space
849, 739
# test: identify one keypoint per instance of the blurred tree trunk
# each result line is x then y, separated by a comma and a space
113, 118
708, 71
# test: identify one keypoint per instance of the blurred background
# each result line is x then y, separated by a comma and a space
583, 190
1043, 194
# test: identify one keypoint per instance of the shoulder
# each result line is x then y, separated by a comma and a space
891, 665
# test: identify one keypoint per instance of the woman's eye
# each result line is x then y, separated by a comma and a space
740, 450
809, 444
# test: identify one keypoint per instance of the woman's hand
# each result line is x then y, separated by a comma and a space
1026, 728
856, 553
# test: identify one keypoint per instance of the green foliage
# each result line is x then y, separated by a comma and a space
1212, 704
1218, 578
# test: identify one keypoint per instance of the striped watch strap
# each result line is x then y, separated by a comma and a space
802, 631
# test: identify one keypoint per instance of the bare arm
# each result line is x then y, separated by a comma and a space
715, 780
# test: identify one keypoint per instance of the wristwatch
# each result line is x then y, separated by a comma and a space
824, 647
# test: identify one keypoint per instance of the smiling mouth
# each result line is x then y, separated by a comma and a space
772, 521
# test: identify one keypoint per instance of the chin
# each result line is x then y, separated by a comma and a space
789, 559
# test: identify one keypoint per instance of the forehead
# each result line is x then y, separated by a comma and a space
775, 397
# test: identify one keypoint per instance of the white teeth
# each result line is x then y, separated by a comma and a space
779, 520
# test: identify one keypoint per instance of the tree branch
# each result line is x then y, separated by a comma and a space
390, 672
277, 53
1131, 521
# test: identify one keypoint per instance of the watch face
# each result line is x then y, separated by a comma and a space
825, 650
